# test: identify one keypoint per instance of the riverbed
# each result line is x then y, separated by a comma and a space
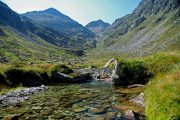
95, 100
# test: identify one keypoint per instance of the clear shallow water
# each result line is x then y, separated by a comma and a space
89, 101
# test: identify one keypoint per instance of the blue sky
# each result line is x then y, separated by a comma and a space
82, 11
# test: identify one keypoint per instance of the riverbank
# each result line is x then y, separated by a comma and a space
19, 95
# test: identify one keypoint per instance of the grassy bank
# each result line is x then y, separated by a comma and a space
162, 94
12, 76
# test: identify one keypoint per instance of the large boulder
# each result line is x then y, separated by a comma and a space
64, 78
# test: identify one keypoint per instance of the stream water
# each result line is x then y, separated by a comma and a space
95, 100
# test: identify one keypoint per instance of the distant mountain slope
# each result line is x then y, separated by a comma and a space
10, 18
153, 26
72, 33
15, 47
21, 40
98, 26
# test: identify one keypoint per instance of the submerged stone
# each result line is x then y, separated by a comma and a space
98, 111
80, 110
58, 116
110, 115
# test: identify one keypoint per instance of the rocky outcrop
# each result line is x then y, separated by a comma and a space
97, 27
97, 73
64, 78
103, 73
139, 100
19, 95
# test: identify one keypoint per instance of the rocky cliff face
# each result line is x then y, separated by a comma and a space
97, 27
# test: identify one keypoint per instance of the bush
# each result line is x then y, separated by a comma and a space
62, 69
45, 78
27, 78
3, 80
14, 76
132, 72
31, 79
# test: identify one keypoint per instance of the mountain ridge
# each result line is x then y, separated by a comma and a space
76, 34
98, 26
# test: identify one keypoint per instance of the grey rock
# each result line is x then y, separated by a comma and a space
129, 115
19, 95
139, 100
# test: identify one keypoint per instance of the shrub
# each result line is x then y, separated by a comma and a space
132, 72
45, 78
31, 79
62, 69
3, 80
14, 76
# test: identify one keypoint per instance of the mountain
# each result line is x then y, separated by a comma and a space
153, 26
68, 33
22, 41
98, 26
11, 18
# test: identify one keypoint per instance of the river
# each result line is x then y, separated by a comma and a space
95, 100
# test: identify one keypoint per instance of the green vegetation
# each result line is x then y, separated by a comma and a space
158, 32
62, 69
26, 75
15, 48
162, 91
163, 97
132, 72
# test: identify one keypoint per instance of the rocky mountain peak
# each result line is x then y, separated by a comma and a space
97, 26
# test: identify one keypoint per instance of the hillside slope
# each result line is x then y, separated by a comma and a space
153, 26
21, 41
18, 48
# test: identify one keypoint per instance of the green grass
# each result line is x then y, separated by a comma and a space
163, 97
161, 62
15, 75
18, 48
162, 94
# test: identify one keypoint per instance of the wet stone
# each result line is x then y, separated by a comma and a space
110, 115
98, 111
100, 118
36, 108
58, 116
85, 96
80, 110
46, 112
